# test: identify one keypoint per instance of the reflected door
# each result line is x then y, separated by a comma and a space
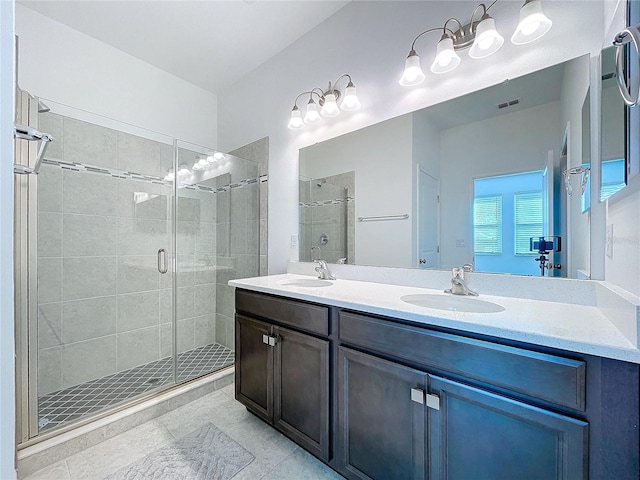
428, 215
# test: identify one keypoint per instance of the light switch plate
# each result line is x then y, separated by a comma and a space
294, 240
609, 241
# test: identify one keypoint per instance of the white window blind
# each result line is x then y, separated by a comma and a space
487, 225
609, 188
528, 220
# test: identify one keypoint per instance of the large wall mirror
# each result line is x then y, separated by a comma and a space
470, 180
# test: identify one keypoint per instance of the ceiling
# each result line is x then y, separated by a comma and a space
211, 44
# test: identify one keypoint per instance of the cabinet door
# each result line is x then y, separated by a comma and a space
254, 366
382, 430
481, 435
301, 390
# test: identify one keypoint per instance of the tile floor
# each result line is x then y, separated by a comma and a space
277, 458
75, 402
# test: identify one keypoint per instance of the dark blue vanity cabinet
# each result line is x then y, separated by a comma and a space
282, 373
411, 401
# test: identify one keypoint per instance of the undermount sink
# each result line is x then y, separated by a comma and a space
454, 303
306, 282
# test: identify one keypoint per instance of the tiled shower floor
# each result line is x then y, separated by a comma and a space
74, 402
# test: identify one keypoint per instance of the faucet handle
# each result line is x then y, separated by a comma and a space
467, 267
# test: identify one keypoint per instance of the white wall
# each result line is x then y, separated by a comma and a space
370, 41
381, 156
7, 366
519, 143
61, 64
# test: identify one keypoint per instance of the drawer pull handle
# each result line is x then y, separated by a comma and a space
417, 396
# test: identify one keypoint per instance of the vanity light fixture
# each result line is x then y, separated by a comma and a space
328, 102
479, 35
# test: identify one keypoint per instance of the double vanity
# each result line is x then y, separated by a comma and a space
392, 381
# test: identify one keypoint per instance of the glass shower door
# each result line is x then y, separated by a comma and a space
104, 293
217, 239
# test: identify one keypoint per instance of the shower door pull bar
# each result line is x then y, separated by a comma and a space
162, 261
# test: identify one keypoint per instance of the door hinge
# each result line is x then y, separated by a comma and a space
433, 401
417, 396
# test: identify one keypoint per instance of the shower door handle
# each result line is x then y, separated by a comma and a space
162, 261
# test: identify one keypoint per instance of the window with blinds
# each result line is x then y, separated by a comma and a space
487, 223
528, 220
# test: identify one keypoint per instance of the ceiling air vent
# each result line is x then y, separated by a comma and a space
510, 103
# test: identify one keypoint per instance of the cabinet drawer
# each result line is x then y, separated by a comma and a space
548, 377
303, 316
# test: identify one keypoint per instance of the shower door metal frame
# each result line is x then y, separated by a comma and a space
26, 275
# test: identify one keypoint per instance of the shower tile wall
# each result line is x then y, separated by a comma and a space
102, 306
233, 223
333, 219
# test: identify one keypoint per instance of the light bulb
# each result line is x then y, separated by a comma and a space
295, 122
532, 25
413, 74
330, 106
350, 102
446, 57
312, 116
488, 41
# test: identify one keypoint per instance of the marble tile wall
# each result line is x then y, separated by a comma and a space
102, 304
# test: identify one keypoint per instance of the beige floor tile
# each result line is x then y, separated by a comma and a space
113, 454
301, 465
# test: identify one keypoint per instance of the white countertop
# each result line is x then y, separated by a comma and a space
567, 326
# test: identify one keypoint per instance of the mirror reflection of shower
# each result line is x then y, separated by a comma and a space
327, 213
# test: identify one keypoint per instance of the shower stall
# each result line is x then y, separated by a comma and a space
125, 241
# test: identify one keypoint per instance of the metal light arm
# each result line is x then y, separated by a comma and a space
310, 93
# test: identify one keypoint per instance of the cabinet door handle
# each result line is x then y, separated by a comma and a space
265, 339
272, 341
433, 401
417, 396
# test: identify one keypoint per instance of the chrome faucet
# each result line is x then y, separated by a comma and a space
323, 270
460, 280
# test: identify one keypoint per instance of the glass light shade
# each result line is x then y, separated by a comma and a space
201, 164
488, 41
330, 106
218, 156
413, 74
532, 25
183, 171
169, 177
295, 122
350, 102
312, 116
446, 57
